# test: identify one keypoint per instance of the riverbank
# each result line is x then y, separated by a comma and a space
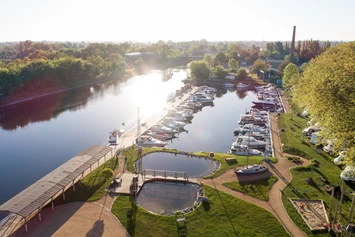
13, 99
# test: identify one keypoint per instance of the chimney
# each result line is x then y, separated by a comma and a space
292, 58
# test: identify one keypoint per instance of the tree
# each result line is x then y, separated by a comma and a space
138, 65
290, 72
219, 72
295, 58
207, 58
275, 54
259, 65
107, 173
221, 58
233, 64
282, 66
199, 70
241, 73
327, 90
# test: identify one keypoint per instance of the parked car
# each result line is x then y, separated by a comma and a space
348, 174
328, 148
315, 137
340, 160
311, 129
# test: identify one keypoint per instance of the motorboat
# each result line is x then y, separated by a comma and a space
187, 115
160, 135
171, 97
203, 94
251, 142
114, 135
191, 105
258, 112
162, 128
242, 86
264, 103
257, 135
150, 141
262, 88
228, 85
250, 128
174, 124
251, 169
244, 150
202, 99
251, 119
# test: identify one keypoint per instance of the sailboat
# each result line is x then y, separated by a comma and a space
250, 169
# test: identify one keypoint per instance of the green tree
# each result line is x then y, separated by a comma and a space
295, 56
259, 65
241, 74
207, 58
291, 71
282, 66
327, 90
233, 64
139, 65
219, 72
275, 54
107, 173
199, 70
221, 58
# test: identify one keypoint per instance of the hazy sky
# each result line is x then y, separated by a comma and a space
177, 20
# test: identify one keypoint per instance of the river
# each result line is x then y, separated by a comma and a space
40, 135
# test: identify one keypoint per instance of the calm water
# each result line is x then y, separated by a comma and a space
212, 128
194, 167
38, 136
167, 197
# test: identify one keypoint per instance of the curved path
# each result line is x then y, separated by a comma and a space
74, 219
281, 170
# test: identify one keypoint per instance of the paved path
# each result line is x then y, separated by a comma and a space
74, 219
281, 170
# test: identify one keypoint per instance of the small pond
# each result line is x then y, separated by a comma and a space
165, 197
194, 167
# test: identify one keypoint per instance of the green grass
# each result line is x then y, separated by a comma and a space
321, 167
221, 157
92, 187
224, 216
258, 189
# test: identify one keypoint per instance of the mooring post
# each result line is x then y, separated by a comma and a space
25, 224
52, 203
63, 194
73, 186
39, 215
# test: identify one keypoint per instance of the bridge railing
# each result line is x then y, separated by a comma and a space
165, 174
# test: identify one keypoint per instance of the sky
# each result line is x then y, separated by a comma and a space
176, 20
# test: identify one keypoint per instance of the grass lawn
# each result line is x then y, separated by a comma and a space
132, 155
224, 216
92, 187
321, 167
258, 189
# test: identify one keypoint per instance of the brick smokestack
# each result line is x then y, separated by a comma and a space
292, 57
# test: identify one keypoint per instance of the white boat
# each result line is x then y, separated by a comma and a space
242, 86
162, 128
250, 128
262, 88
191, 105
251, 119
114, 135
173, 124
181, 113
258, 112
264, 103
228, 85
150, 141
251, 169
249, 141
171, 97
202, 99
160, 135
243, 150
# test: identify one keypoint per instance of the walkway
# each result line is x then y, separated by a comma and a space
281, 170
74, 219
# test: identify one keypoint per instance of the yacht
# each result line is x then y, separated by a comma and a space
251, 169
242, 86
114, 135
251, 119
228, 85
162, 128
187, 115
150, 141
251, 142
244, 150
264, 104
191, 105
250, 128
174, 124
161, 135
202, 99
